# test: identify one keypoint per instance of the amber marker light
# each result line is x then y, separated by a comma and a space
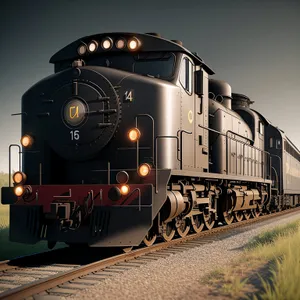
107, 44
124, 189
133, 44
93, 45
19, 177
134, 134
144, 170
26, 141
19, 190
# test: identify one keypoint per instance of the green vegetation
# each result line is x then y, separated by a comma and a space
270, 237
3, 179
284, 252
268, 270
9, 250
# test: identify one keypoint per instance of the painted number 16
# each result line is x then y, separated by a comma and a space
74, 135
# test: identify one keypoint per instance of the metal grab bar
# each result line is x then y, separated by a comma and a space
137, 142
9, 161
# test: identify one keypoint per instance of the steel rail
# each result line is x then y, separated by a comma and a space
45, 284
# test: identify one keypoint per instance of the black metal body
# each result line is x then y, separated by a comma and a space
200, 140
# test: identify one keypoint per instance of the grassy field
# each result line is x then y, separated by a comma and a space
268, 270
9, 250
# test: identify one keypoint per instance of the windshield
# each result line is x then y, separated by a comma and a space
154, 64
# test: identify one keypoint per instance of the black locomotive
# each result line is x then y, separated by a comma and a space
130, 141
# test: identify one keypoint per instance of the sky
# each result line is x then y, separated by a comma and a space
253, 45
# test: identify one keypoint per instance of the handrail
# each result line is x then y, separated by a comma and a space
137, 142
181, 131
9, 160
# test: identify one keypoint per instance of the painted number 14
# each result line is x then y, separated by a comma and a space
74, 135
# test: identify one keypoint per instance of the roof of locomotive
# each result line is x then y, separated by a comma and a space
149, 43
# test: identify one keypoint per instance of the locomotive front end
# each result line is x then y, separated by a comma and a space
89, 173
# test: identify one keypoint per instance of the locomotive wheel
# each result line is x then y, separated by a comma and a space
228, 217
184, 227
238, 216
209, 220
197, 223
168, 231
150, 238
255, 213
247, 214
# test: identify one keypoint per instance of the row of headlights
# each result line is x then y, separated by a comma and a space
107, 43
19, 179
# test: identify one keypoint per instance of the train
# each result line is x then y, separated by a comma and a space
131, 141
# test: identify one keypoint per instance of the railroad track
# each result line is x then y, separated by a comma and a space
43, 275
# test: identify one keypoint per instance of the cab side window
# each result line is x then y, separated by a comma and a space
260, 127
186, 75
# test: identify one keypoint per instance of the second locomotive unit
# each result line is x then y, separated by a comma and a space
130, 140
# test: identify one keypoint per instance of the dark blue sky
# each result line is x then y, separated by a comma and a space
253, 45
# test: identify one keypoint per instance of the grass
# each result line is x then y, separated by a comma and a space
269, 269
286, 268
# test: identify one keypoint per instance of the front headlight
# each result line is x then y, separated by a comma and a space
124, 189
134, 134
19, 177
19, 190
144, 170
26, 140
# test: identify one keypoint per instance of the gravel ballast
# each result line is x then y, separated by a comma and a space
178, 276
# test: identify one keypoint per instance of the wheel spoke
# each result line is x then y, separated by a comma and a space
247, 214
150, 238
238, 216
197, 222
168, 231
228, 217
255, 213
184, 227
209, 221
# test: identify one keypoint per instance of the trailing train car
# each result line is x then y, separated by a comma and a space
130, 140
284, 155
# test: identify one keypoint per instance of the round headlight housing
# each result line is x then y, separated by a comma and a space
120, 44
92, 47
122, 177
124, 189
19, 190
134, 134
144, 170
19, 177
133, 44
107, 44
81, 49
27, 141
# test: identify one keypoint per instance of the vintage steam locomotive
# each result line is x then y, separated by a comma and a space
130, 141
